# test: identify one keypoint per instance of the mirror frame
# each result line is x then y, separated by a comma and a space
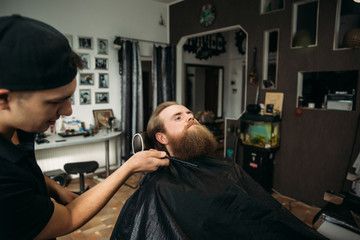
180, 66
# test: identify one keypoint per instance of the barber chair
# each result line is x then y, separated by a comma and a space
340, 218
81, 168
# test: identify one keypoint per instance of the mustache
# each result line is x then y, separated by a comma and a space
192, 122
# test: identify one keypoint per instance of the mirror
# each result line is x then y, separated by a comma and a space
233, 63
271, 46
204, 88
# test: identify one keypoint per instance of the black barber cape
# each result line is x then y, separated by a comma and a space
216, 200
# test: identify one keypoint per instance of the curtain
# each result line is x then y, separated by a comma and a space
131, 93
163, 74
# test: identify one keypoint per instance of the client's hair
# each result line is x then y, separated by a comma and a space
156, 125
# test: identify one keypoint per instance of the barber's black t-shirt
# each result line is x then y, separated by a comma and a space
25, 206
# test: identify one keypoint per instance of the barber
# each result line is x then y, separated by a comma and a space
37, 79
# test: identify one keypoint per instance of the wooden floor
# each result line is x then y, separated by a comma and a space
101, 226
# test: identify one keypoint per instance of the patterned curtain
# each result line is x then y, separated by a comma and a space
131, 93
163, 75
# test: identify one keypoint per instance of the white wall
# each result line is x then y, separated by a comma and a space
137, 19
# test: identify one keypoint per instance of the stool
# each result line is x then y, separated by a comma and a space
81, 168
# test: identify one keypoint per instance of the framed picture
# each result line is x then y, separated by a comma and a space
86, 79
102, 46
103, 80
101, 97
85, 42
85, 58
102, 118
72, 100
101, 63
85, 96
70, 39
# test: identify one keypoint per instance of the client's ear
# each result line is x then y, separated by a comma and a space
161, 138
4, 94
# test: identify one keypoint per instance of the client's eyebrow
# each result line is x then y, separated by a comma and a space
180, 113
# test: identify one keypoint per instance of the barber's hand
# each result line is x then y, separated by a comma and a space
147, 161
65, 196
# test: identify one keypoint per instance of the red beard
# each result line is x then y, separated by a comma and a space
193, 143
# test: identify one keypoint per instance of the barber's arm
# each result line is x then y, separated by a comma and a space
72, 216
60, 194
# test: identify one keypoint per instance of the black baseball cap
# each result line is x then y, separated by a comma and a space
34, 55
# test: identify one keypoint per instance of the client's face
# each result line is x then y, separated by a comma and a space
186, 137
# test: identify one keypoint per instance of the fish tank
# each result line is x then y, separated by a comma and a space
261, 131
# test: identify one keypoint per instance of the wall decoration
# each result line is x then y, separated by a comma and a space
102, 46
102, 118
103, 80
72, 100
85, 96
101, 63
85, 58
101, 97
240, 41
206, 46
85, 42
86, 79
207, 15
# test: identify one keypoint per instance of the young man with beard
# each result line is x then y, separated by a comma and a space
210, 199
38, 77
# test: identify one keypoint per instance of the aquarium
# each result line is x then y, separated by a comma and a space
261, 131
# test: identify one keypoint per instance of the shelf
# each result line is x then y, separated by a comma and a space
347, 19
269, 6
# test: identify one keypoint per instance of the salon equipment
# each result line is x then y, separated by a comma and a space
58, 176
216, 201
71, 133
343, 102
339, 221
81, 168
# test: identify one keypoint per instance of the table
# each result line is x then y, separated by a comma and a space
56, 141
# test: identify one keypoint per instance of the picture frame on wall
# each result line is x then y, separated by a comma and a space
102, 117
85, 42
85, 58
86, 79
101, 97
101, 63
102, 46
103, 80
72, 100
85, 96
